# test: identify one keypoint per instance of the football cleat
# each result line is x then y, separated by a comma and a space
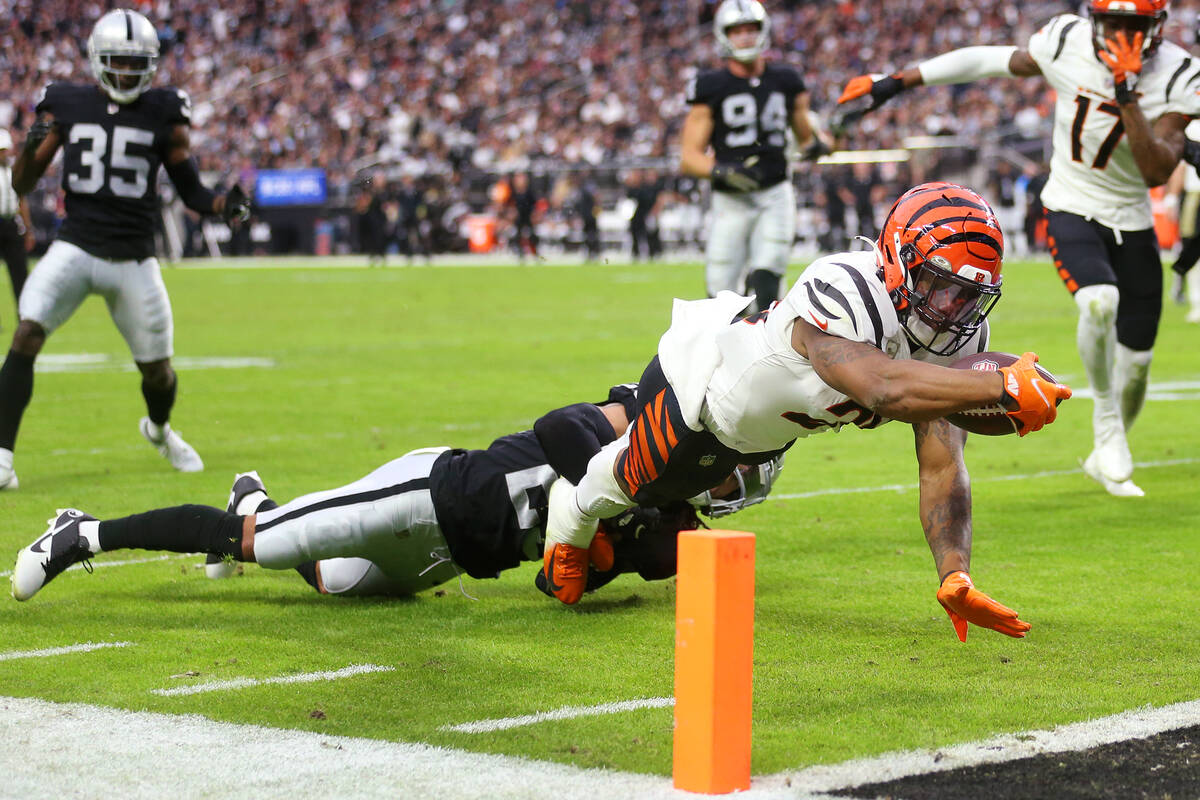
8, 479
245, 486
1110, 453
1125, 488
171, 446
1193, 316
55, 550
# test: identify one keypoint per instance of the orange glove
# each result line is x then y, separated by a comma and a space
1123, 58
1029, 398
964, 603
875, 91
565, 567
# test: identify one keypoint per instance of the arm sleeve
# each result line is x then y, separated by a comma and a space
570, 436
186, 178
967, 64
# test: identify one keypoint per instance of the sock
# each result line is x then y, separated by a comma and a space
1131, 375
308, 571
1096, 338
158, 402
179, 529
251, 503
16, 387
90, 532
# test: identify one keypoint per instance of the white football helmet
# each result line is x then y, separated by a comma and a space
741, 12
123, 53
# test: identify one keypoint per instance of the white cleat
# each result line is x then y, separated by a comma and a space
55, 550
1193, 315
247, 492
1110, 453
171, 445
1125, 488
8, 479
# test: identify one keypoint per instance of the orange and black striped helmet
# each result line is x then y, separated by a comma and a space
940, 254
1146, 16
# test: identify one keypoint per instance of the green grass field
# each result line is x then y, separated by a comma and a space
853, 655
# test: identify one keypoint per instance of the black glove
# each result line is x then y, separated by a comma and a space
38, 131
1191, 152
237, 205
736, 178
861, 96
815, 150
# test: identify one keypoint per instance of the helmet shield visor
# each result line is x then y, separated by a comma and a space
950, 304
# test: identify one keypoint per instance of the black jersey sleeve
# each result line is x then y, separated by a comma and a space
50, 100
700, 89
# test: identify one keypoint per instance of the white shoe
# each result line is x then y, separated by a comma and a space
55, 550
171, 445
1193, 315
245, 485
8, 479
1110, 453
1125, 488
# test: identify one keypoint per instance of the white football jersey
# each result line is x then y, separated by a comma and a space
1092, 170
759, 393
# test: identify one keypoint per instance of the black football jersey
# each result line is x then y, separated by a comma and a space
751, 116
111, 156
491, 504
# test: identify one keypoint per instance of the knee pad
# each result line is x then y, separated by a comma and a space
1098, 303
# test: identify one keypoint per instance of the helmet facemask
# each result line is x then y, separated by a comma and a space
944, 309
1110, 18
732, 13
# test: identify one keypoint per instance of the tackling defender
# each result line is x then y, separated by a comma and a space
416, 522
114, 137
743, 112
1124, 99
860, 339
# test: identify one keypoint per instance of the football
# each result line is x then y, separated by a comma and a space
989, 420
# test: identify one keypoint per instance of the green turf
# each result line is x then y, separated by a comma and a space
853, 656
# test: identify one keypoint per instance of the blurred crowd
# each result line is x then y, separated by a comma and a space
454, 90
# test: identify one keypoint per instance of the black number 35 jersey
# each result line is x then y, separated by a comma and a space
111, 156
750, 115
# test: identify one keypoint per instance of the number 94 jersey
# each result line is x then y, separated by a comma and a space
751, 116
111, 156
1092, 169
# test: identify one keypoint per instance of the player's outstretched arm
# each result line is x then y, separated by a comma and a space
183, 172
41, 143
946, 519
866, 93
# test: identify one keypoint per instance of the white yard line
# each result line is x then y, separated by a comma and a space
1023, 476
107, 747
86, 647
121, 563
566, 712
242, 683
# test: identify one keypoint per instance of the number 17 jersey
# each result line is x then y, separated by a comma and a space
111, 156
1092, 169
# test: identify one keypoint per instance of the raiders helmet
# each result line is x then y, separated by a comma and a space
741, 12
940, 254
123, 53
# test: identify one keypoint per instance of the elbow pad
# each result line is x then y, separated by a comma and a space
186, 178
570, 436
968, 64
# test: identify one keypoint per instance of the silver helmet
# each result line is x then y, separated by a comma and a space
123, 53
741, 12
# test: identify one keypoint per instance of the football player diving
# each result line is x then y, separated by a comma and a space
114, 136
1124, 99
736, 135
861, 338
415, 522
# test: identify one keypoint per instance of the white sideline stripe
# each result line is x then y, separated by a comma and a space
86, 647
566, 712
906, 487
1136, 724
255, 762
122, 563
242, 683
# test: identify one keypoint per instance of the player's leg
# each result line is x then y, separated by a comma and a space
1193, 295
1082, 254
15, 257
141, 309
387, 517
51, 294
771, 243
1139, 278
725, 253
73, 536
